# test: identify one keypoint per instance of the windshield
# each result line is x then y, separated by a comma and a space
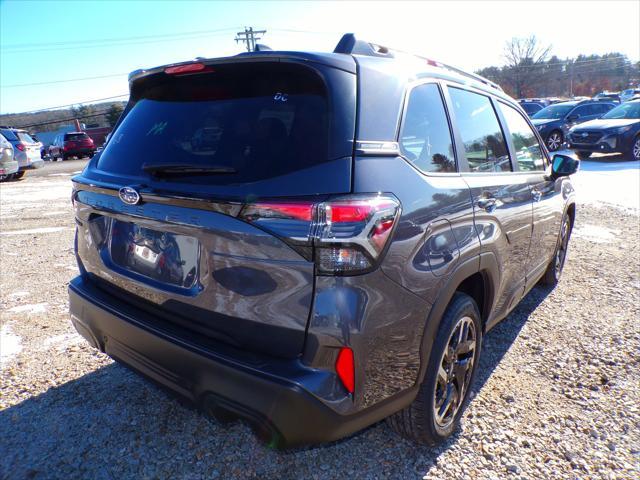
259, 122
626, 110
554, 112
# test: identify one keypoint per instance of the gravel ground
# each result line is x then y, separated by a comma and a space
558, 392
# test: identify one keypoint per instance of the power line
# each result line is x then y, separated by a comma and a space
249, 37
70, 119
72, 104
116, 44
15, 85
116, 39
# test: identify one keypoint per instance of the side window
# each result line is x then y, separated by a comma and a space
526, 146
582, 110
484, 144
425, 138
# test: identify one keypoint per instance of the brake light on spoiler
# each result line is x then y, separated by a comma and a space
346, 235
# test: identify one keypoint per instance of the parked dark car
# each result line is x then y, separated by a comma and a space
554, 121
72, 144
618, 131
26, 150
531, 107
320, 273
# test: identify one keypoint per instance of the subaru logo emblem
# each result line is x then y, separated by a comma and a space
584, 134
129, 195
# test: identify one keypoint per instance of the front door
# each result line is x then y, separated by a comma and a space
502, 197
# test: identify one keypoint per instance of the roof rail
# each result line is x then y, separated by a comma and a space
350, 45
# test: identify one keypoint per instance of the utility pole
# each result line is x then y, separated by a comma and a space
249, 37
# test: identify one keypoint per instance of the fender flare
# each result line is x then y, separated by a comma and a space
487, 265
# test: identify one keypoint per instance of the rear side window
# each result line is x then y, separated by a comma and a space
9, 135
258, 120
484, 144
425, 138
75, 136
525, 143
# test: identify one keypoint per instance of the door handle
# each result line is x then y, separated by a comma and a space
488, 204
537, 194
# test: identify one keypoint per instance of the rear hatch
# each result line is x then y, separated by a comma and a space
77, 141
196, 149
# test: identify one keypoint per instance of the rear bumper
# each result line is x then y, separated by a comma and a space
7, 168
281, 397
80, 151
34, 164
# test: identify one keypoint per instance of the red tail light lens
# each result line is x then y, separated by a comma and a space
20, 146
345, 368
188, 68
345, 235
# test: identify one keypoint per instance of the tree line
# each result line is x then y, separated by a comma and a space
96, 115
531, 70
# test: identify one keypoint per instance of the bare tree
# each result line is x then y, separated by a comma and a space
525, 59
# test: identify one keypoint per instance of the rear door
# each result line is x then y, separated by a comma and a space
502, 198
548, 201
191, 246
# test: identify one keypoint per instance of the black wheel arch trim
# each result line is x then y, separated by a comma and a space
485, 264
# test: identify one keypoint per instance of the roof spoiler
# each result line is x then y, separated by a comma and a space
350, 45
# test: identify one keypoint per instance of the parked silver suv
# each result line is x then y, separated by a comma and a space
26, 150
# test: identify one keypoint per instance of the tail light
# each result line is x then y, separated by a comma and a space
20, 146
344, 236
188, 68
345, 368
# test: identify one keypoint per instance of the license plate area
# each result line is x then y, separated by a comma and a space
167, 259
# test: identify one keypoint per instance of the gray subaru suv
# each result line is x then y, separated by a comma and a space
333, 253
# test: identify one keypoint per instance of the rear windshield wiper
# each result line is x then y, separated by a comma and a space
186, 169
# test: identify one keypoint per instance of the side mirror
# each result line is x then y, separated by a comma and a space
563, 166
573, 117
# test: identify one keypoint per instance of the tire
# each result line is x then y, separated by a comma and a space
554, 141
583, 155
420, 422
19, 175
65, 157
634, 153
553, 273
4, 178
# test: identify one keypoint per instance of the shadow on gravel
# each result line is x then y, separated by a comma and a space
112, 424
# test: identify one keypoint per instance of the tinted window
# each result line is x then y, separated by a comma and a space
554, 112
425, 138
600, 108
526, 146
484, 144
9, 135
75, 136
583, 110
262, 121
626, 110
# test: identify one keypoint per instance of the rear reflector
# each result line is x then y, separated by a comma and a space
188, 68
345, 369
344, 235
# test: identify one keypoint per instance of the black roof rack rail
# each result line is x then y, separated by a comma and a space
350, 45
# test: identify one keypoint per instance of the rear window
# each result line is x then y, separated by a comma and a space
75, 136
25, 137
261, 120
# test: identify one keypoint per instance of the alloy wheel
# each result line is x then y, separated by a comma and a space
636, 149
455, 371
561, 254
554, 141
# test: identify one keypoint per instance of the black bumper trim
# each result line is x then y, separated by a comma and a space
284, 408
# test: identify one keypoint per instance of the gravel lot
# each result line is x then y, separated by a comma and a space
558, 392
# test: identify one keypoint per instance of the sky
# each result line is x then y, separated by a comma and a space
44, 44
